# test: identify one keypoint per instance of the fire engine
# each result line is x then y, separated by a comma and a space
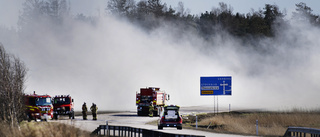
38, 107
63, 105
150, 95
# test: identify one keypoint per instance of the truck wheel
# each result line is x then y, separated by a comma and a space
72, 115
28, 117
160, 127
55, 116
179, 127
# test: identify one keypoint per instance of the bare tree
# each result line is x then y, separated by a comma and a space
43, 10
304, 13
12, 78
181, 11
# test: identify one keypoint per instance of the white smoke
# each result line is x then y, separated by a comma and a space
108, 62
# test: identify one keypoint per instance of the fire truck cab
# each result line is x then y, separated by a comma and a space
38, 107
63, 105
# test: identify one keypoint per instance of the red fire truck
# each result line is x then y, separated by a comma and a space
63, 105
150, 95
38, 107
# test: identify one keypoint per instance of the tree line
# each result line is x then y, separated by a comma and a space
150, 14
256, 23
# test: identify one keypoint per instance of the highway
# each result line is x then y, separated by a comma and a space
131, 119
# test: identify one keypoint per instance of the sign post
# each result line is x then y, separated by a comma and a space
215, 86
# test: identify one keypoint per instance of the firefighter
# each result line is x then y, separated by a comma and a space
84, 111
94, 110
151, 109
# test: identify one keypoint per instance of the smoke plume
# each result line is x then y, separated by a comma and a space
108, 62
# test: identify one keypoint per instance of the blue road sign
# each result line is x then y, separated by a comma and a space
215, 85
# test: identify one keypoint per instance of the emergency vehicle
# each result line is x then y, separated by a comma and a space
63, 105
38, 107
149, 95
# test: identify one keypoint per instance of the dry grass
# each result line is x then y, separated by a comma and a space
270, 124
42, 129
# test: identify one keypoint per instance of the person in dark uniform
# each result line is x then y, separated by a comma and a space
84, 111
94, 110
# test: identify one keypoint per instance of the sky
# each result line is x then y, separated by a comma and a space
108, 62
9, 9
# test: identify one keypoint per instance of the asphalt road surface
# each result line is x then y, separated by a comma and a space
131, 119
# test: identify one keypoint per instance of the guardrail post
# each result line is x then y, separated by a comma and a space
125, 131
103, 127
131, 132
257, 127
106, 128
99, 131
119, 131
139, 132
196, 121
108, 131
128, 130
122, 131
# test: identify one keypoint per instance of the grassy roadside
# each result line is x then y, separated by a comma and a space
47, 129
42, 129
270, 123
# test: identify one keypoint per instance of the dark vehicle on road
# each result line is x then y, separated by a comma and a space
170, 117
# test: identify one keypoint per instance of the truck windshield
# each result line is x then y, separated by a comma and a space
146, 99
43, 101
61, 101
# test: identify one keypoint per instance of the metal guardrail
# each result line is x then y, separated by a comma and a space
122, 131
302, 132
